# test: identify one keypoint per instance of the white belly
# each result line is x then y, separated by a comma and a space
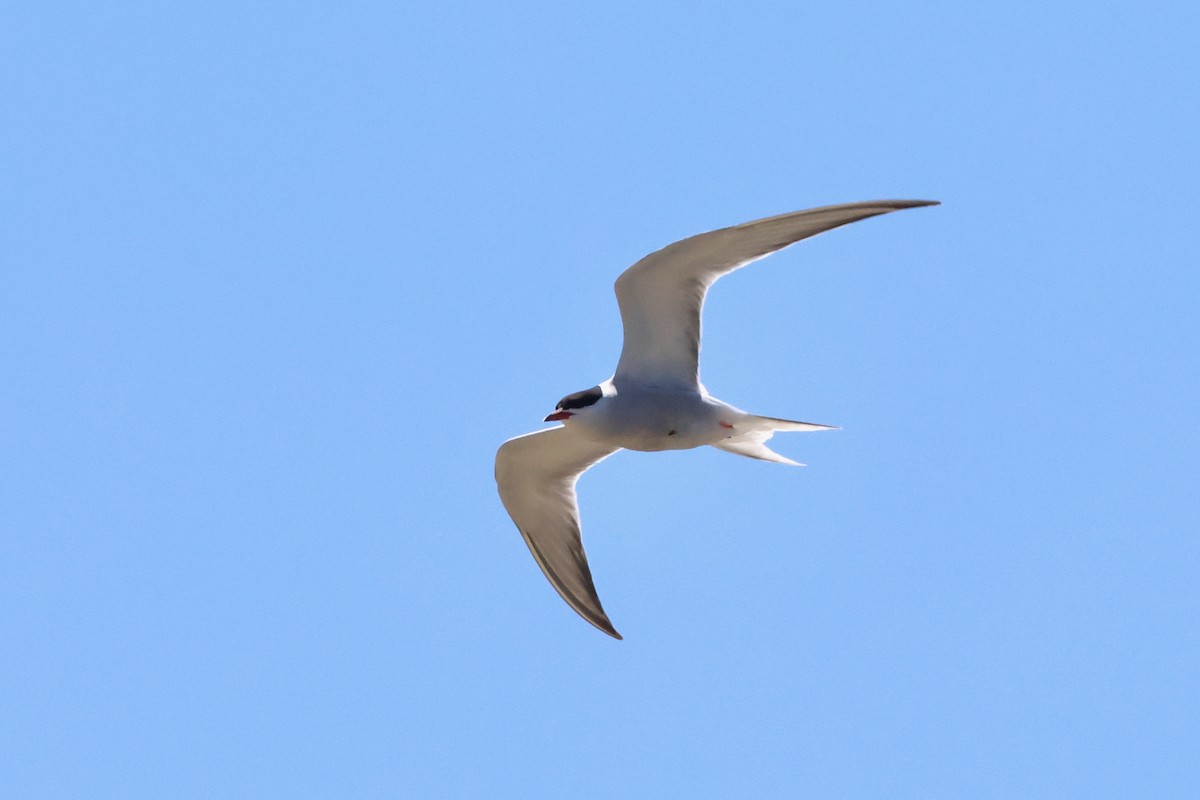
652, 420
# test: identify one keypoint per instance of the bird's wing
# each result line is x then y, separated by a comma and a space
536, 475
661, 295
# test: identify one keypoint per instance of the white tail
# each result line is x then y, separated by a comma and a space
776, 424
755, 431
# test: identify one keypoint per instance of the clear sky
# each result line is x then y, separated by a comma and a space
276, 279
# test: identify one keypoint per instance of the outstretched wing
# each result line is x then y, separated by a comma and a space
661, 295
536, 475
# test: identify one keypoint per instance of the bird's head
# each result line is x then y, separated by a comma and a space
573, 404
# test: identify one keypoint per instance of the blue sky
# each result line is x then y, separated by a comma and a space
277, 279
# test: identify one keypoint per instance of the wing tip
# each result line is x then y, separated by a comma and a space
600, 621
888, 206
898, 205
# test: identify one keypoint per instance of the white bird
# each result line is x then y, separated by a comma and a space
655, 400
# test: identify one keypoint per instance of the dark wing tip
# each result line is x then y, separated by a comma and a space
595, 616
899, 205
890, 205
608, 628
587, 606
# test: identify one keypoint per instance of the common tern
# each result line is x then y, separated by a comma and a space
654, 401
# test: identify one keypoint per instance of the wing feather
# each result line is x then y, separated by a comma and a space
536, 475
661, 296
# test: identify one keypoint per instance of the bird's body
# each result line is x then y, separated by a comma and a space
650, 418
655, 400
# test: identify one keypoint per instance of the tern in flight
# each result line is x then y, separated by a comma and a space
655, 400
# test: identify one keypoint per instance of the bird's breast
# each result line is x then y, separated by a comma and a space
655, 421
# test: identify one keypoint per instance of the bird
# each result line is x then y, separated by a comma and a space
654, 401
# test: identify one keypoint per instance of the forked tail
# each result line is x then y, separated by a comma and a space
776, 424
749, 437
